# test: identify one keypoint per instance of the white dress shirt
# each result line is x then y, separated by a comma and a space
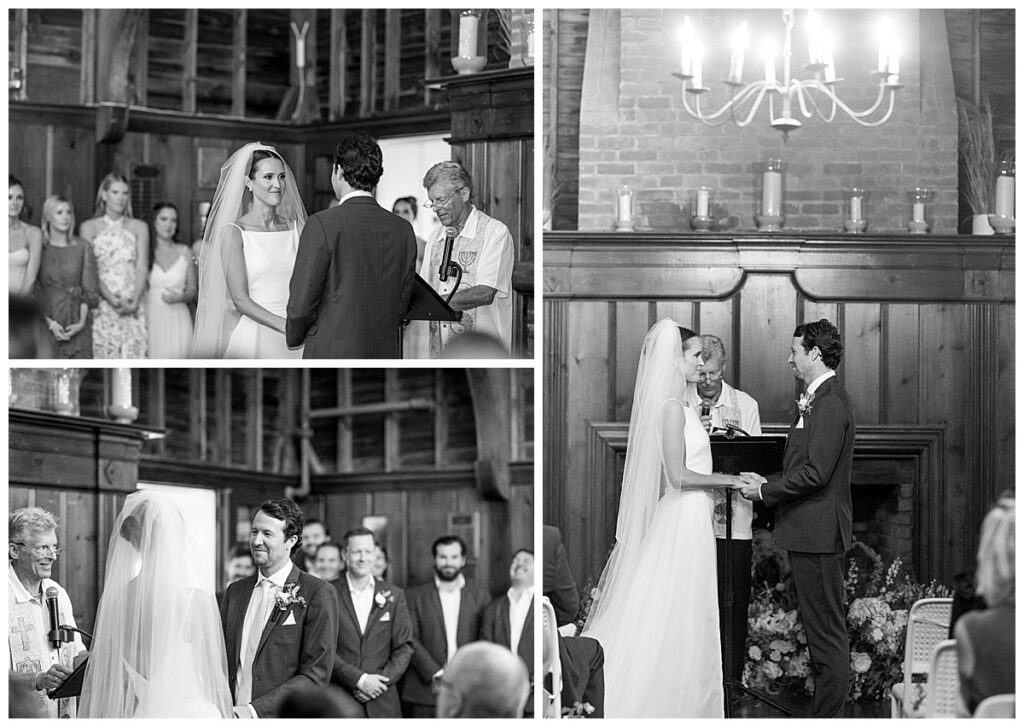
518, 609
362, 601
277, 580
451, 602
356, 193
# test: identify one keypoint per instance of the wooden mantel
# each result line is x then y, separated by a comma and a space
928, 334
823, 266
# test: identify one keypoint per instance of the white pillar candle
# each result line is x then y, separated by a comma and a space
769, 64
687, 39
703, 198
698, 59
529, 43
625, 207
739, 45
771, 196
469, 27
63, 388
300, 51
121, 396
1004, 196
918, 211
855, 209
830, 63
813, 30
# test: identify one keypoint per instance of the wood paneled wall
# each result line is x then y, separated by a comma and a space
928, 331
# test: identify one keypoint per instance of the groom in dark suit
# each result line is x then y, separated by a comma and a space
813, 510
508, 619
374, 634
355, 266
281, 624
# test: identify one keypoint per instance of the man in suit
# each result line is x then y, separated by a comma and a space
582, 657
508, 619
355, 266
813, 509
445, 615
374, 633
281, 624
314, 534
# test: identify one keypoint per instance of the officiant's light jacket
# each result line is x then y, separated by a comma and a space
385, 647
430, 647
298, 642
811, 496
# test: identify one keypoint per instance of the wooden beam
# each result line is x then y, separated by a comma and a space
19, 53
156, 402
115, 43
440, 420
344, 457
197, 414
432, 52
189, 62
336, 72
239, 45
140, 71
975, 16
222, 418
366, 62
392, 430
89, 60
387, 407
392, 58
254, 414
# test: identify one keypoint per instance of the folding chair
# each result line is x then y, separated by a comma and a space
997, 706
551, 662
943, 681
927, 625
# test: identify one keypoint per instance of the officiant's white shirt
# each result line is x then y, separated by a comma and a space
278, 578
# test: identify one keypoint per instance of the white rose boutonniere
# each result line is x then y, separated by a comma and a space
803, 404
287, 597
383, 598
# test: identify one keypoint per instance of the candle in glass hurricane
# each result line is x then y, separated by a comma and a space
918, 224
1002, 220
769, 217
856, 218
624, 209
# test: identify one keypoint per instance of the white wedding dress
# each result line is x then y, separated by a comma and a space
660, 628
269, 260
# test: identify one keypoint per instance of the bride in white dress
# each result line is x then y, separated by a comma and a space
656, 614
248, 253
158, 649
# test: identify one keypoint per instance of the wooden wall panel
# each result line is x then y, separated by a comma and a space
934, 355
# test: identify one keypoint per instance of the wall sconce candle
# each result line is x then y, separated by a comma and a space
624, 210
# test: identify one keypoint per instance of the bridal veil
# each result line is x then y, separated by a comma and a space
158, 649
641, 480
216, 315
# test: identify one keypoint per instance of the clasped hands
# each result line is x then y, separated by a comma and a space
749, 485
371, 687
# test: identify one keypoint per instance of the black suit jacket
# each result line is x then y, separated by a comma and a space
430, 647
496, 626
559, 586
384, 648
352, 282
811, 496
290, 656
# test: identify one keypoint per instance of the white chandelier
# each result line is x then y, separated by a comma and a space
804, 92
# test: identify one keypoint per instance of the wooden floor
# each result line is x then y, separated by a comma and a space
747, 707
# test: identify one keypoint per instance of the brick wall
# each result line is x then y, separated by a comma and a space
633, 129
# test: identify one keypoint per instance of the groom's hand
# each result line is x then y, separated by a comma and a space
374, 685
752, 489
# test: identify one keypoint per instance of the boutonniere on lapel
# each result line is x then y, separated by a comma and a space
803, 404
287, 596
383, 598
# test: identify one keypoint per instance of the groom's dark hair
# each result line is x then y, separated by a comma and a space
826, 337
361, 161
288, 511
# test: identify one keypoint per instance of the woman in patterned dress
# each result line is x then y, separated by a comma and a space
121, 246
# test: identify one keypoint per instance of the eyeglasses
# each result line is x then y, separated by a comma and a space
711, 375
430, 204
47, 550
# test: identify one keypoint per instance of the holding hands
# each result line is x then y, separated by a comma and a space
751, 488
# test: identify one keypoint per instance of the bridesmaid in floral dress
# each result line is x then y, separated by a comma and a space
121, 246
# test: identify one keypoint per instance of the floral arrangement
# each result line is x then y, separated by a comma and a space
803, 404
877, 600
579, 710
287, 597
383, 598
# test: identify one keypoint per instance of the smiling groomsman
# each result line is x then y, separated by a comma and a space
374, 633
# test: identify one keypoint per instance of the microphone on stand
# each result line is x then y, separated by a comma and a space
446, 259
54, 634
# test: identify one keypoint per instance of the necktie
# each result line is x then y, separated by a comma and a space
256, 616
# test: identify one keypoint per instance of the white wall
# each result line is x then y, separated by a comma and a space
406, 160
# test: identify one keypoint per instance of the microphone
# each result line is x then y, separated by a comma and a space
51, 608
705, 407
446, 259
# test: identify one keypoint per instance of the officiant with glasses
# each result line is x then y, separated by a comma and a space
724, 408
481, 246
36, 665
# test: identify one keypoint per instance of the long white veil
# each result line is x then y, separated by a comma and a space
216, 316
641, 480
158, 649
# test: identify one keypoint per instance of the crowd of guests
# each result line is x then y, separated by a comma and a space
126, 287
443, 648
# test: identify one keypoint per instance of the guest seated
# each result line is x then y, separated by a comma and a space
508, 619
582, 657
484, 681
985, 640
26, 334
